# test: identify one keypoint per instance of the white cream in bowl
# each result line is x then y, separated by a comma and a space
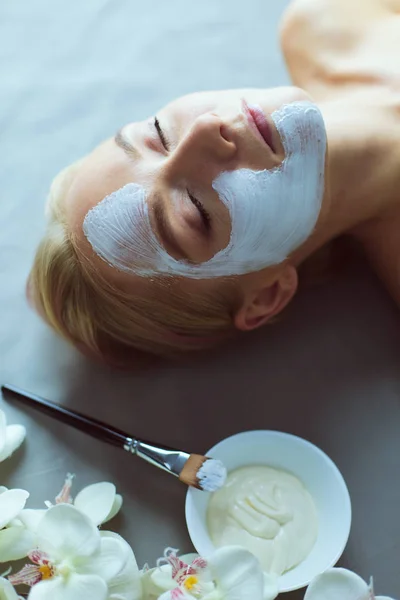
267, 511
305, 462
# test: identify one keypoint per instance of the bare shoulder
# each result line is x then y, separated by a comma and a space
381, 242
326, 15
318, 36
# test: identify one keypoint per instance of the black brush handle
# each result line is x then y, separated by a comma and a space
88, 425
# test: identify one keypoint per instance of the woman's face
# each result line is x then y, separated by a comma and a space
175, 156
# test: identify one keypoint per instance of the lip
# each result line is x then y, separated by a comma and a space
258, 123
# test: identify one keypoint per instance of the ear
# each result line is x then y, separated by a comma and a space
266, 302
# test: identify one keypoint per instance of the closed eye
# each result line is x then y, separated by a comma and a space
161, 134
200, 207
204, 214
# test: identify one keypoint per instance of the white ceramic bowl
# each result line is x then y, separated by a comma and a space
313, 467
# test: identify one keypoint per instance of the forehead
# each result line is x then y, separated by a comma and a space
190, 106
99, 174
203, 100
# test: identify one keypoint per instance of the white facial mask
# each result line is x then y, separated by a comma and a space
272, 211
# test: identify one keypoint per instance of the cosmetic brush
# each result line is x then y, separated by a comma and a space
194, 470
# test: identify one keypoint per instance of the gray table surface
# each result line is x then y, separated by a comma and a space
71, 73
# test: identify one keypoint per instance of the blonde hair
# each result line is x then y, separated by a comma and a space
86, 309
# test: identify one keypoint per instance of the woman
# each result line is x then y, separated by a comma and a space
192, 225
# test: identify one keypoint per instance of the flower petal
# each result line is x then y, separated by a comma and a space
31, 517
175, 594
157, 581
107, 562
7, 591
116, 507
11, 504
28, 575
15, 543
96, 501
127, 583
238, 573
337, 583
75, 587
2, 490
64, 532
15, 435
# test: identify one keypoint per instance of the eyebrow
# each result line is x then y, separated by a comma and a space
125, 144
165, 232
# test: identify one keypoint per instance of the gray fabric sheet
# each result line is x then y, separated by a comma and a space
71, 73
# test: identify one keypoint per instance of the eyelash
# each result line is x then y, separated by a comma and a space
166, 144
161, 134
204, 214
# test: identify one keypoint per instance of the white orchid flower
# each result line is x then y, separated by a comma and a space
126, 585
11, 437
15, 540
73, 561
98, 501
7, 591
341, 584
230, 573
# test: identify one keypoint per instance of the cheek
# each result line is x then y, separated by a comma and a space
119, 231
222, 224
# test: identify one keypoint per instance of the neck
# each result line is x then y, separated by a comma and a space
362, 167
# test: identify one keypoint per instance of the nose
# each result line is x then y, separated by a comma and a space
209, 144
